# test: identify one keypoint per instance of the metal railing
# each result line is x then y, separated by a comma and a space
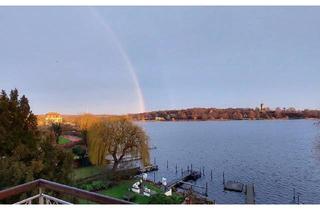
42, 198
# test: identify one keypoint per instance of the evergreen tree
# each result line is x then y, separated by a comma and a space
25, 153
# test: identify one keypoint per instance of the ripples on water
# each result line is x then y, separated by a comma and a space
275, 155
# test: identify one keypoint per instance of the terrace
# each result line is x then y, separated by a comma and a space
44, 187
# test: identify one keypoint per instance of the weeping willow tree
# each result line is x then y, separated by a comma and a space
119, 138
84, 122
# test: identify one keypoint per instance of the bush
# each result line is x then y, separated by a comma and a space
94, 186
163, 199
79, 151
87, 187
98, 185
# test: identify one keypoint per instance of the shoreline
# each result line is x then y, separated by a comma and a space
218, 120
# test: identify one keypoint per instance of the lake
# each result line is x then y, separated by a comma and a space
275, 155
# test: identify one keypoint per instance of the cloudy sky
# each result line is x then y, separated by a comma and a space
130, 59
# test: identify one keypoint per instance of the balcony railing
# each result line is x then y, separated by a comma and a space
43, 199
44, 185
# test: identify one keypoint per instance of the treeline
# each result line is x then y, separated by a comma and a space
227, 114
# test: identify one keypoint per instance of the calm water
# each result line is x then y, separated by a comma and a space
276, 156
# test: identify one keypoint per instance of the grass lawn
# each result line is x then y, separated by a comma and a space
84, 172
123, 187
63, 140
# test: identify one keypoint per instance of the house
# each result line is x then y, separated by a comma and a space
160, 119
53, 117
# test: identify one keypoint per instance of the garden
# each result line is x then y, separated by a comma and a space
122, 190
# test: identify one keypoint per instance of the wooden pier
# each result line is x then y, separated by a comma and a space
148, 168
186, 176
250, 194
233, 186
193, 186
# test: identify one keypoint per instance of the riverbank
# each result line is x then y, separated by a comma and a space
225, 120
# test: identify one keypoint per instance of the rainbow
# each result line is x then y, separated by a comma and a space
124, 55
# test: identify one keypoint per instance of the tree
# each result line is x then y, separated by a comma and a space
119, 138
204, 116
223, 116
237, 115
57, 130
18, 125
26, 153
57, 163
251, 115
182, 115
257, 113
79, 151
278, 113
84, 122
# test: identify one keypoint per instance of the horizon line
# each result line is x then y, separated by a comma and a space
177, 109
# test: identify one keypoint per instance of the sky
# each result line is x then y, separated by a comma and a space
117, 60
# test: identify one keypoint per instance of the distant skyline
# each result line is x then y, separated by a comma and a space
117, 60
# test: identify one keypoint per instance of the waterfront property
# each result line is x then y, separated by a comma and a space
53, 117
95, 179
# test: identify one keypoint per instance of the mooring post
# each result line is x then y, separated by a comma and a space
211, 174
223, 177
206, 189
154, 177
203, 171
167, 164
294, 195
176, 168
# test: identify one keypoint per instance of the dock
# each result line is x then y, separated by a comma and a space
148, 168
250, 194
233, 186
186, 176
195, 188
